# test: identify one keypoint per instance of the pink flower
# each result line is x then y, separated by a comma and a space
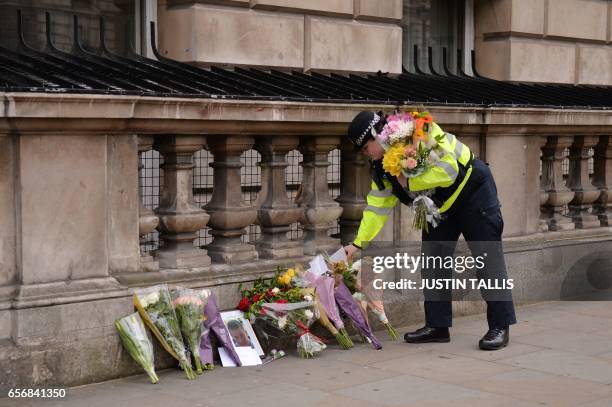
411, 163
410, 151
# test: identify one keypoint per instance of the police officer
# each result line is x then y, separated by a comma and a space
466, 195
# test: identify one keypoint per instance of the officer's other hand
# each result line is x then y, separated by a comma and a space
350, 251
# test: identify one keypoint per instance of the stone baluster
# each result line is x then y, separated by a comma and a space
147, 220
180, 218
354, 186
602, 179
276, 212
229, 214
552, 183
578, 181
319, 209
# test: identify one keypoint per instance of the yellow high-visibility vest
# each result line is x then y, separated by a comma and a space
381, 202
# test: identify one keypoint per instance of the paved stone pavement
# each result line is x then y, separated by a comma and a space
560, 355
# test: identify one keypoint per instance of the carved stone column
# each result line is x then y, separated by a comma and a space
229, 214
602, 179
276, 212
552, 183
319, 209
180, 218
147, 220
354, 186
578, 181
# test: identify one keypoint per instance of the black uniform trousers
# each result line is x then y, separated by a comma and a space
477, 215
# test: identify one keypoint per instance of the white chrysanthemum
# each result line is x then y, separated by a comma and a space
149, 299
282, 322
275, 290
307, 298
309, 314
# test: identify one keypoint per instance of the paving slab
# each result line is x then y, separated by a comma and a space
545, 388
565, 364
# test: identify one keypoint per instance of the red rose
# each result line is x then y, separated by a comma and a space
282, 301
256, 297
244, 304
263, 311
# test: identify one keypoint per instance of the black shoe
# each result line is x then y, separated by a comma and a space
495, 338
427, 334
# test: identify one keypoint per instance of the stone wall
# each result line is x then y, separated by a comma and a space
339, 35
558, 41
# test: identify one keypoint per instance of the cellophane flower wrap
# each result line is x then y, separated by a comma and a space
322, 289
137, 343
154, 305
369, 297
353, 311
295, 319
189, 309
346, 283
213, 325
410, 149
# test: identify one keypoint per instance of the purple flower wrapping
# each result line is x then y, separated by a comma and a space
325, 291
347, 303
214, 325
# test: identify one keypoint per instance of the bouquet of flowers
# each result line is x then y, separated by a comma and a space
288, 286
155, 308
213, 325
347, 285
369, 298
136, 341
296, 319
189, 309
410, 150
322, 290
351, 308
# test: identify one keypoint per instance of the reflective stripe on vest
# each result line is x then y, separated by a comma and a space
381, 194
458, 149
451, 200
448, 168
379, 211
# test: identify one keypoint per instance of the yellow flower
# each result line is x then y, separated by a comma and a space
291, 272
285, 279
391, 159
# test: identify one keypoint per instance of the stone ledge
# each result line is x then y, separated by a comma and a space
376, 10
334, 8
43, 113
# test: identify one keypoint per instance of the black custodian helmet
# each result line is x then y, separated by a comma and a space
364, 127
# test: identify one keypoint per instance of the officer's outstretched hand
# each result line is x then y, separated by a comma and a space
350, 251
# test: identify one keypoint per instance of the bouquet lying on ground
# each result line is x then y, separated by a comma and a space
189, 309
342, 274
277, 327
366, 295
328, 309
213, 325
155, 307
295, 319
411, 150
136, 341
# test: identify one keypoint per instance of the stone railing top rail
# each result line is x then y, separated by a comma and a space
42, 112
